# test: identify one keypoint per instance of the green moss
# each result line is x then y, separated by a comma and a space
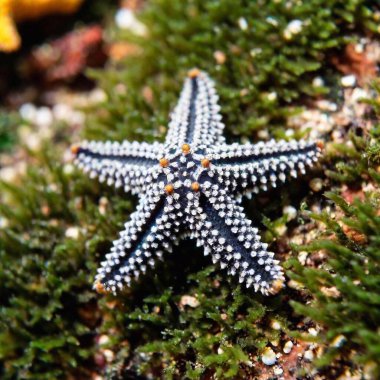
260, 60
202, 326
49, 311
350, 312
51, 318
8, 124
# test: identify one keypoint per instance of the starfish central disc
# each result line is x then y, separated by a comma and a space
183, 172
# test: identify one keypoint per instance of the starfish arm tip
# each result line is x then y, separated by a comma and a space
193, 73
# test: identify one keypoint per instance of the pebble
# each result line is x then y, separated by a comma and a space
294, 27
44, 116
316, 184
358, 94
272, 96
276, 325
126, 19
255, 51
302, 257
103, 204
348, 80
4, 223
220, 57
8, 174
109, 355
72, 233
326, 105
68, 169
243, 24
359, 48
278, 371
28, 112
272, 21
338, 341
288, 347
98, 96
290, 211
263, 134
189, 301
312, 331
268, 357
103, 339
308, 355
318, 82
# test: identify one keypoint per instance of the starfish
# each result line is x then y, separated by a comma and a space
191, 186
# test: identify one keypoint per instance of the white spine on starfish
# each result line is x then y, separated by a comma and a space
251, 168
206, 124
151, 230
233, 243
127, 165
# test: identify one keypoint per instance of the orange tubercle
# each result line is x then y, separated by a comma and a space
276, 286
320, 144
195, 186
75, 149
100, 288
186, 148
205, 162
193, 73
169, 188
164, 162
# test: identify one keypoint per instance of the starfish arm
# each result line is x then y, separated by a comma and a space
248, 168
150, 231
128, 165
196, 119
232, 242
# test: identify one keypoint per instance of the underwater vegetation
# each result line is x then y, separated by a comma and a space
273, 64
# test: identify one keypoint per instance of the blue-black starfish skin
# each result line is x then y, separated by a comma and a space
190, 186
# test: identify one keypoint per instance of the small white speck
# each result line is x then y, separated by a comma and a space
272, 96
243, 24
271, 20
302, 256
103, 339
278, 371
268, 357
126, 19
109, 355
3, 222
44, 116
318, 82
288, 347
68, 169
308, 355
359, 94
290, 211
338, 341
294, 27
312, 331
72, 233
276, 325
28, 112
256, 51
348, 80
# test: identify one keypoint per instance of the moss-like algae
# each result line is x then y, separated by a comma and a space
51, 319
345, 289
